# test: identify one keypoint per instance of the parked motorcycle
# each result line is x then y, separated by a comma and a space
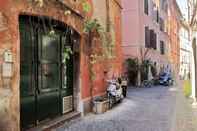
165, 79
124, 86
114, 92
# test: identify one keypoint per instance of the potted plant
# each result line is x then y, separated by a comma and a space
101, 105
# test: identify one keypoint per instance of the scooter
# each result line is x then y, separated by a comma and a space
114, 93
166, 79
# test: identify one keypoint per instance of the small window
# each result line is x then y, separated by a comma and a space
146, 7
162, 48
147, 37
157, 16
162, 24
153, 39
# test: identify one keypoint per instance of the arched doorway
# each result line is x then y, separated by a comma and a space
47, 69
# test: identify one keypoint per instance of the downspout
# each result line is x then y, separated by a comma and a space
107, 16
194, 78
140, 46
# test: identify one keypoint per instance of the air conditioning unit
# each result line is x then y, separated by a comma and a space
67, 104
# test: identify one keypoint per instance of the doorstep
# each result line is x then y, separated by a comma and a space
56, 122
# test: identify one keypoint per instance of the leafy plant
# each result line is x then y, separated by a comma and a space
92, 25
144, 69
132, 69
67, 53
153, 70
86, 6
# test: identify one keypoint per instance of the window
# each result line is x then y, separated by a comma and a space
161, 24
146, 7
157, 16
164, 5
150, 38
162, 48
147, 37
153, 39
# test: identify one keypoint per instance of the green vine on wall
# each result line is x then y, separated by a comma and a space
86, 6
67, 53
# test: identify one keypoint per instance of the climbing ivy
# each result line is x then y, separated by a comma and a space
86, 6
67, 53
92, 26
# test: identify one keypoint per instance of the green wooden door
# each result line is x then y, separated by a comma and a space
49, 84
27, 76
45, 77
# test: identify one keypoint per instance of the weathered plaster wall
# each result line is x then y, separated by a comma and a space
174, 37
116, 30
134, 22
130, 27
104, 69
9, 39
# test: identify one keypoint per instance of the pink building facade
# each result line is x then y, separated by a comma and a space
145, 27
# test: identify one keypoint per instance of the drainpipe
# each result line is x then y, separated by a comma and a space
140, 43
194, 78
107, 17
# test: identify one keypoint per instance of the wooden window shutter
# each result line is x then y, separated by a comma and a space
155, 41
151, 38
147, 37
146, 7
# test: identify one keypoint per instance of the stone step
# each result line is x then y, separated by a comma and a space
56, 122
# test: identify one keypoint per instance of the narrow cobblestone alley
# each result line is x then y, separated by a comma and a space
151, 109
185, 115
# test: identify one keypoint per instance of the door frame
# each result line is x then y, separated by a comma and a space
76, 68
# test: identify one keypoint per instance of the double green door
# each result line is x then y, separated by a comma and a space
45, 78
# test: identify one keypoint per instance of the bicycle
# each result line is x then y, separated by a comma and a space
147, 83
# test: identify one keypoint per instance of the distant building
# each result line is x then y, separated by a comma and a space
146, 27
174, 27
152, 25
185, 52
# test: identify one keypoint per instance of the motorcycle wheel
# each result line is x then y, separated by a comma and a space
111, 102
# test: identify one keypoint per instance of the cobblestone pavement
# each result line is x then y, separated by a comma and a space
185, 117
149, 109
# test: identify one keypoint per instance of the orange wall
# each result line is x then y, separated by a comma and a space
174, 40
112, 67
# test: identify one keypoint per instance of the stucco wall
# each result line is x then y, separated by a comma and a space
105, 69
130, 27
10, 39
134, 22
